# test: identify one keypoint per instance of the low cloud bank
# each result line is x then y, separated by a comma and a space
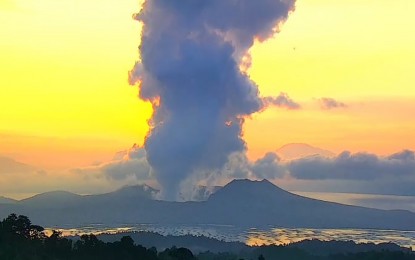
346, 172
359, 166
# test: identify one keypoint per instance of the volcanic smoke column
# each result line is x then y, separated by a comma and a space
191, 52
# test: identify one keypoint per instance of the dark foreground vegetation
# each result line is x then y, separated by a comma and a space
20, 239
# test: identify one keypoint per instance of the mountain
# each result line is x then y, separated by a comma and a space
129, 192
64, 199
295, 151
4, 200
250, 202
241, 203
53, 199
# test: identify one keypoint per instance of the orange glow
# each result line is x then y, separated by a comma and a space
155, 102
66, 101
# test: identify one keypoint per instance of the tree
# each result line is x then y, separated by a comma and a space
22, 227
175, 253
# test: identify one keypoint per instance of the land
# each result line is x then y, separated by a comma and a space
241, 203
20, 239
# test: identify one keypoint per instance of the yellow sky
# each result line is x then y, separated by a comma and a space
65, 100
64, 91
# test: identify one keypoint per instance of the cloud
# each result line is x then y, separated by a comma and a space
124, 169
191, 52
405, 156
358, 173
240, 167
330, 103
127, 168
9, 165
359, 166
268, 167
283, 100
347, 172
20, 180
126, 165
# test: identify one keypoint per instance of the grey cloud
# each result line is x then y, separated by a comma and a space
283, 100
133, 164
330, 103
137, 168
405, 155
239, 167
136, 152
268, 167
359, 166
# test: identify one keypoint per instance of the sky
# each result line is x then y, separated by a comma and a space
68, 112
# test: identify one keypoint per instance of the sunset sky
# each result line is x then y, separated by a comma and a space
66, 102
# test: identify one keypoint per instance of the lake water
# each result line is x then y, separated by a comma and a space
254, 236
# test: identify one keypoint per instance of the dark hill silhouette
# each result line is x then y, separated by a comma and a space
249, 202
248, 190
51, 199
242, 203
64, 199
196, 244
318, 247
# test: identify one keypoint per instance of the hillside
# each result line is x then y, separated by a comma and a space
242, 203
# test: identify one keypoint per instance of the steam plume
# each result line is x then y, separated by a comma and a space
191, 54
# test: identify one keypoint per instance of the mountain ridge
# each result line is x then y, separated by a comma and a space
243, 203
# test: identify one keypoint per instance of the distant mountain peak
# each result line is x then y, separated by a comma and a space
250, 182
263, 182
249, 189
295, 151
51, 198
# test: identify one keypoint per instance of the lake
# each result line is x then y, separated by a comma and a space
253, 236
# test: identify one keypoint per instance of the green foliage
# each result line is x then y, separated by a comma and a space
19, 239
